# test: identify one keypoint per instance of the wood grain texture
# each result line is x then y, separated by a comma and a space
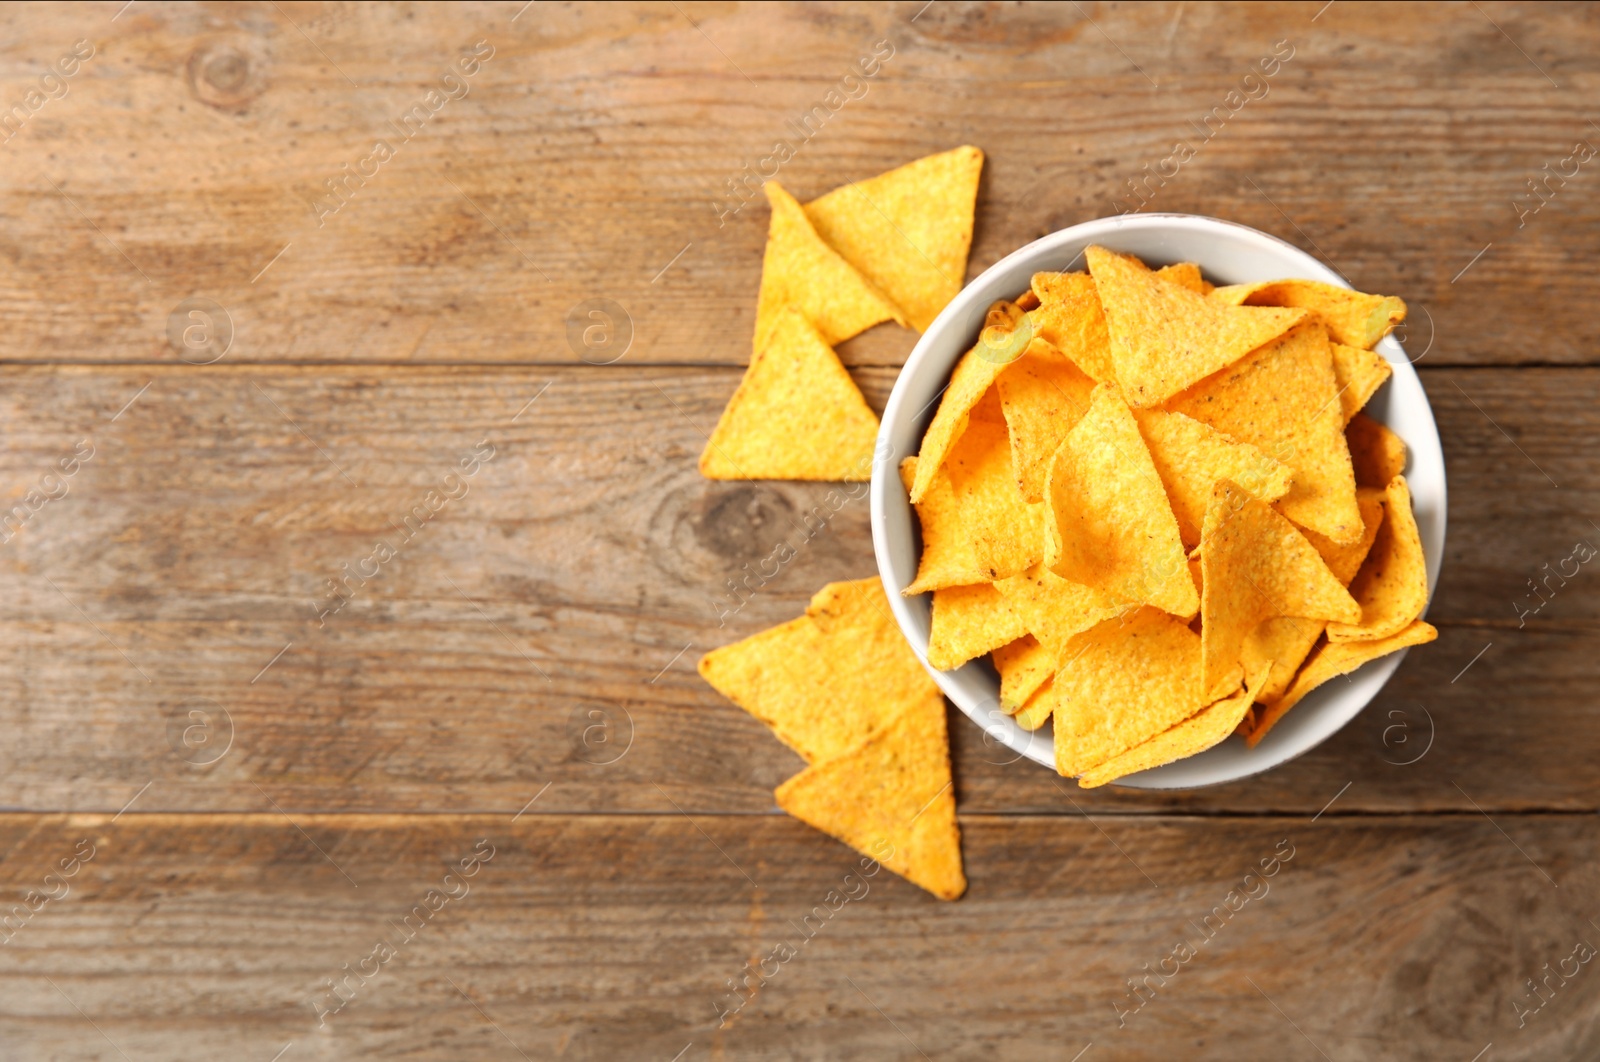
596, 147
599, 937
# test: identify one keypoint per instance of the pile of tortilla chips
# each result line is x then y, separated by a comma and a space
1158, 507
890, 248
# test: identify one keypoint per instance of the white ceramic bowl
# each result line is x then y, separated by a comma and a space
1227, 253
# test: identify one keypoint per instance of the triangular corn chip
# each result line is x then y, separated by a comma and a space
1255, 565
1192, 458
1358, 373
1376, 454
796, 415
1109, 524
969, 621
1043, 394
1069, 317
1352, 318
1344, 560
1024, 666
825, 681
1165, 337
1208, 727
1039, 707
1055, 609
890, 798
802, 271
1006, 335
1392, 585
908, 231
1332, 659
1185, 275
1122, 683
1282, 400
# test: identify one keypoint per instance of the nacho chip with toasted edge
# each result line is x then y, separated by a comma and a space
1332, 659
1039, 707
1004, 338
1352, 318
1358, 373
825, 681
1109, 525
1164, 337
1392, 585
969, 621
890, 792
948, 557
1376, 453
1024, 666
1122, 683
1206, 728
1043, 395
1282, 399
1185, 275
1255, 565
802, 271
1192, 458
907, 231
797, 414
1054, 609
1069, 318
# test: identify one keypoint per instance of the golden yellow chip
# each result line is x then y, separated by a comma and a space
1332, 659
1043, 395
800, 270
1164, 337
1027, 301
1358, 373
1185, 275
1344, 561
1282, 399
1109, 525
890, 798
969, 621
1392, 585
1054, 609
1255, 565
907, 231
1024, 666
1121, 683
1208, 727
1033, 714
1376, 453
1352, 318
797, 414
825, 681
1070, 319
1192, 458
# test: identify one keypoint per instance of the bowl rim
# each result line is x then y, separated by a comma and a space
1331, 709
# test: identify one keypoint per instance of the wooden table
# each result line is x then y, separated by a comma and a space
256, 795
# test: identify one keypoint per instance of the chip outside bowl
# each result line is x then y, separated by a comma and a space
1227, 253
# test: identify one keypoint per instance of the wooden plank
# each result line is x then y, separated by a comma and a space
197, 936
592, 154
185, 567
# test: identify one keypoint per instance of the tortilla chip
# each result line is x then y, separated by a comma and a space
907, 231
1206, 728
1070, 319
1109, 525
1255, 565
1032, 715
1344, 561
827, 680
1055, 609
1122, 683
1332, 659
1392, 585
1192, 458
891, 799
969, 621
797, 414
1185, 275
1043, 395
1027, 301
1358, 373
800, 270
1003, 340
1352, 318
1024, 666
1282, 399
1164, 337
1376, 453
